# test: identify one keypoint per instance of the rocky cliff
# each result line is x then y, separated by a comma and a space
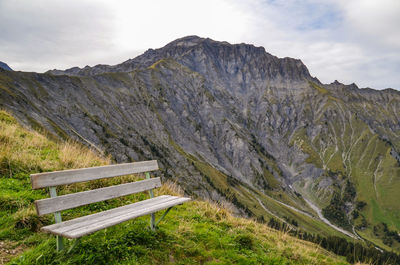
235, 124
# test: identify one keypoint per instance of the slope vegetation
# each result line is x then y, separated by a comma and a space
197, 232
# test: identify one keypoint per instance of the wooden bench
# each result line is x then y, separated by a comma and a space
81, 226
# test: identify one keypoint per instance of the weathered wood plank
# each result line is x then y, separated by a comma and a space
110, 212
69, 201
101, 216
122, 218
56, 178
89, 224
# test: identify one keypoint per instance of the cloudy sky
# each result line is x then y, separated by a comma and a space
348, 40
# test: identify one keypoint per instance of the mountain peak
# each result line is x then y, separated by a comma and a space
193, 40
216, 59
190, 38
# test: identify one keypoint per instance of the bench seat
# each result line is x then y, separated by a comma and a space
91, 223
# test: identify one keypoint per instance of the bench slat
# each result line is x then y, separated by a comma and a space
69, 201
89, 224
101, 216
56, 178
122, 218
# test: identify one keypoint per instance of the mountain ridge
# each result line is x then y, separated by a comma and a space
4, 66
179, 46
103, 68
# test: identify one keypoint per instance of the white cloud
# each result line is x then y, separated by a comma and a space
150, 24
44, 33
352, 41
375, 21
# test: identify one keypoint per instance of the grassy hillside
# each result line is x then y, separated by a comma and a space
261, 206
196, 232
364, 173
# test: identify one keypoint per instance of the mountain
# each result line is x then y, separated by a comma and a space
196, 232
236, 125
4, 66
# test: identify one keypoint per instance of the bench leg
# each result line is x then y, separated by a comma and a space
162, 217
76, 242
153, 217
60, 243
57, 219
152, 221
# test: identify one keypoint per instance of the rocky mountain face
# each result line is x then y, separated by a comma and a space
4, 66
237, 125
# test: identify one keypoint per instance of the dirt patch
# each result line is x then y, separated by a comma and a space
9, 250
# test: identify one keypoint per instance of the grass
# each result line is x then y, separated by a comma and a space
318, 88
300, 139
349, 149
305, 222
197, 232
194, 233
376, 174
245, 196
154, 65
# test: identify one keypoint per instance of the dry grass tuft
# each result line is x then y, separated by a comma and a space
74, 155
215, 211
28, 218
25, 151
170, 188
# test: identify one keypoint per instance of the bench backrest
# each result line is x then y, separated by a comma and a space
64, 202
